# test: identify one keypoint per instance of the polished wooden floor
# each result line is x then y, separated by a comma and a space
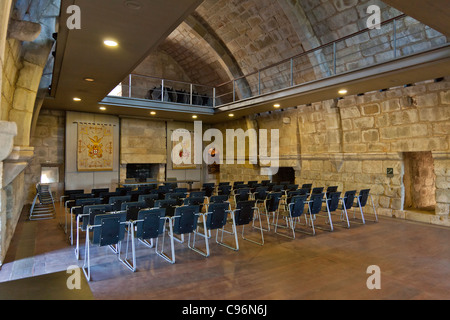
414, 260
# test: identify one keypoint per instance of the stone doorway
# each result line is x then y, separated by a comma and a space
419, 181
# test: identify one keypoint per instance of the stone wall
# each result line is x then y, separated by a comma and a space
49, 148
142, 141
352, 142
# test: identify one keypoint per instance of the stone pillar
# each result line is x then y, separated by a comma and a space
8, 130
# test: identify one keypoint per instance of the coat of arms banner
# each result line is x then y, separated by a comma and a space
95, 147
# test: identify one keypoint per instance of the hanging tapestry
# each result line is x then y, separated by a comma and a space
95, 147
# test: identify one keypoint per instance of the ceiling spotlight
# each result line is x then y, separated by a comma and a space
89, 79
110, 43
102, 108
153, 113
76, 99
194, 117
231, 115
342, 91
276, 105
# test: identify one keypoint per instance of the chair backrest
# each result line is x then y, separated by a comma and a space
278, 188
244, 212
150, 223
197, 194
236, 183
349, 197
297, 206
292, 187
242, 194
169, 205
208, 188
87, 201
92, 211
316, 203
292, 194
331, 189
333, 201
181, 190
303, 191
110, 230
133, 208
317, 190
176, 196
224, 184
106, 195
307, 186
265, 182
149, 199
117, 201
252, 183
261, 193
123, 190
217, 216
96, 192
363, 196
194, 202
134, 194
218, 199
273, 201
185, 219
224, 190
69, 192
147, 188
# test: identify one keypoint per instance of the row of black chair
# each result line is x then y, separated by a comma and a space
180, 211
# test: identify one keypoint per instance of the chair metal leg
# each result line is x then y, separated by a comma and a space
234, 233
204, 235
161, 253
87, 258
260, 228
289, 225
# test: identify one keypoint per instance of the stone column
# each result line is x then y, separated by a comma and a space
8, 130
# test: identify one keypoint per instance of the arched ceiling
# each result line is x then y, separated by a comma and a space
224, 40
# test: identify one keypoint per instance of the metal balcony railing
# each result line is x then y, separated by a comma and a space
398, 37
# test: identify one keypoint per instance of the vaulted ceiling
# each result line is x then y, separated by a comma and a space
206, 42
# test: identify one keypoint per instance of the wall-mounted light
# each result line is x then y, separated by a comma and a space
277, 105
153, 113
231, 115
76, 99
89, 79
194, 117
343, 91
102, 108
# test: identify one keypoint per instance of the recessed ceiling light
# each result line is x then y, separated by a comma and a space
276, 105
194, 117
76, 99
89, 79
231, 115
102, 108
343, 91
153, 113
110, 43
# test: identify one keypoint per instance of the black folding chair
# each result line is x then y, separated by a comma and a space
244, 214
169, 205
331, 204
107, 230
150, 225
272, 206
314, 207
184, 222
362, 199
87, 218
296, 208
77, 209
116, 202
149, 199
216, 219
132, 209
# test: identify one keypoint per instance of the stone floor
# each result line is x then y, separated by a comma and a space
414, 260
